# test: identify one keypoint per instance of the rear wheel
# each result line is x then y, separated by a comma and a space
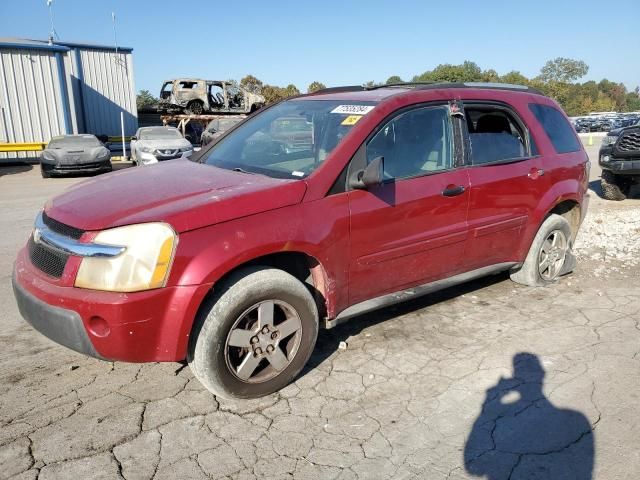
195, 107
549, 254
255, 335
614, 187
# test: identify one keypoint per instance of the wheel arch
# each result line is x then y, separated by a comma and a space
303, 266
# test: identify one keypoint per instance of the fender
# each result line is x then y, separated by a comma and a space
564, 190
205, 255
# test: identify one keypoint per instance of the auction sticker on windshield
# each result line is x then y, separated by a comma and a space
351, 120
353, 109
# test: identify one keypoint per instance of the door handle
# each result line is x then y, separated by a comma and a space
453, 190
535, 173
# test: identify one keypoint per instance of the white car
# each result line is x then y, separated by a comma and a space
157, 144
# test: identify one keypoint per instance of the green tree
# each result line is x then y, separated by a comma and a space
633, 101
393, 79
563, 70
490, 76
315, 86
291, 90
514, 77
251, 84
466, 72
145, 99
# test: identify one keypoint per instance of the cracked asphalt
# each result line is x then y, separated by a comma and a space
488, 380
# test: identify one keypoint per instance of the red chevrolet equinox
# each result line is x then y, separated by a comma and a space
307, 213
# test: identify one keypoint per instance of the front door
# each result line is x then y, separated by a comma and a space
411, 229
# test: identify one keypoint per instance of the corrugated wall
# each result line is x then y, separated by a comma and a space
31, 105
107, 86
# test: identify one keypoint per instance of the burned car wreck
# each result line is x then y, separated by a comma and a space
196, 97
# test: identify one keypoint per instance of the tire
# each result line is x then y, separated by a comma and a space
531, 273
614, 187
44, 173
195, 107
214, 355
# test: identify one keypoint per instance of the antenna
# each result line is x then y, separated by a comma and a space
52, 33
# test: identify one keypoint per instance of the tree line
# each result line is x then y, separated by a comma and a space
558, 79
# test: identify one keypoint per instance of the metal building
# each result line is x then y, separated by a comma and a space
49, 89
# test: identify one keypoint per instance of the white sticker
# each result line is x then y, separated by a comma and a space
296, 173
353, 109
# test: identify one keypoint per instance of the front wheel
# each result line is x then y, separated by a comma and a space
254, 335
549, 255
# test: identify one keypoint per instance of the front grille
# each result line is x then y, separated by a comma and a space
629, 141
79, 166
61, 228
49, 261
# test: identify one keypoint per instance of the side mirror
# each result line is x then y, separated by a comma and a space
134, 138
370, 177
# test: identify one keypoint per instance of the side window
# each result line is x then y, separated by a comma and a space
556, 127
414, 143
494, 135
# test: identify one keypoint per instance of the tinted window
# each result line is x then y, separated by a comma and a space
494, 135
414, 143
556, 127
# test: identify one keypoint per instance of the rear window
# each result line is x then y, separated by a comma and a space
556, 127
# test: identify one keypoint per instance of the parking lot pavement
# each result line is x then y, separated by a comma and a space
489, 379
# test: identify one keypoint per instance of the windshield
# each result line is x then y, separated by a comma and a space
69, 142
289, 140
155, 133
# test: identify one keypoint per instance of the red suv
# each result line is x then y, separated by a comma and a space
235, 258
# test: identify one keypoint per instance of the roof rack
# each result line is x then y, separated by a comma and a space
433, 85
348, 88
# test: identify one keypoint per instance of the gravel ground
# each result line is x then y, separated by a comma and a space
610, 236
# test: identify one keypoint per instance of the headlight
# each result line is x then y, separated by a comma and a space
609, 140
104, 152
145, 263
48, 156
146, 149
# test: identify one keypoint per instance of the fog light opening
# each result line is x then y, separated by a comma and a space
98, 326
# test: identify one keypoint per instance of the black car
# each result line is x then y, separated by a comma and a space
74, 154
619, 158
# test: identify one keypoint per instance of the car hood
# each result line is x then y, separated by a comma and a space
185, 194
163, 143
77, 152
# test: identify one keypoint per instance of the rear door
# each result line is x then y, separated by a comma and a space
412, 229
507, 180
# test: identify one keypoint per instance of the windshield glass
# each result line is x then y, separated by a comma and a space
289, 140
68, 142
155, 133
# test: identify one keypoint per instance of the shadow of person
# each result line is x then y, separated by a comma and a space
520, 434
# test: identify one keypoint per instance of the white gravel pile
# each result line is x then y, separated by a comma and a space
610, 234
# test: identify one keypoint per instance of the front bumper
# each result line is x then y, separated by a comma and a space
147, 326
147, 158
620, 167
76, 168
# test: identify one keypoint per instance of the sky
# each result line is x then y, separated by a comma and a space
341, 42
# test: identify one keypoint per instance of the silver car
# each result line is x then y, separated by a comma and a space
74, 154
217, 127
157, 144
